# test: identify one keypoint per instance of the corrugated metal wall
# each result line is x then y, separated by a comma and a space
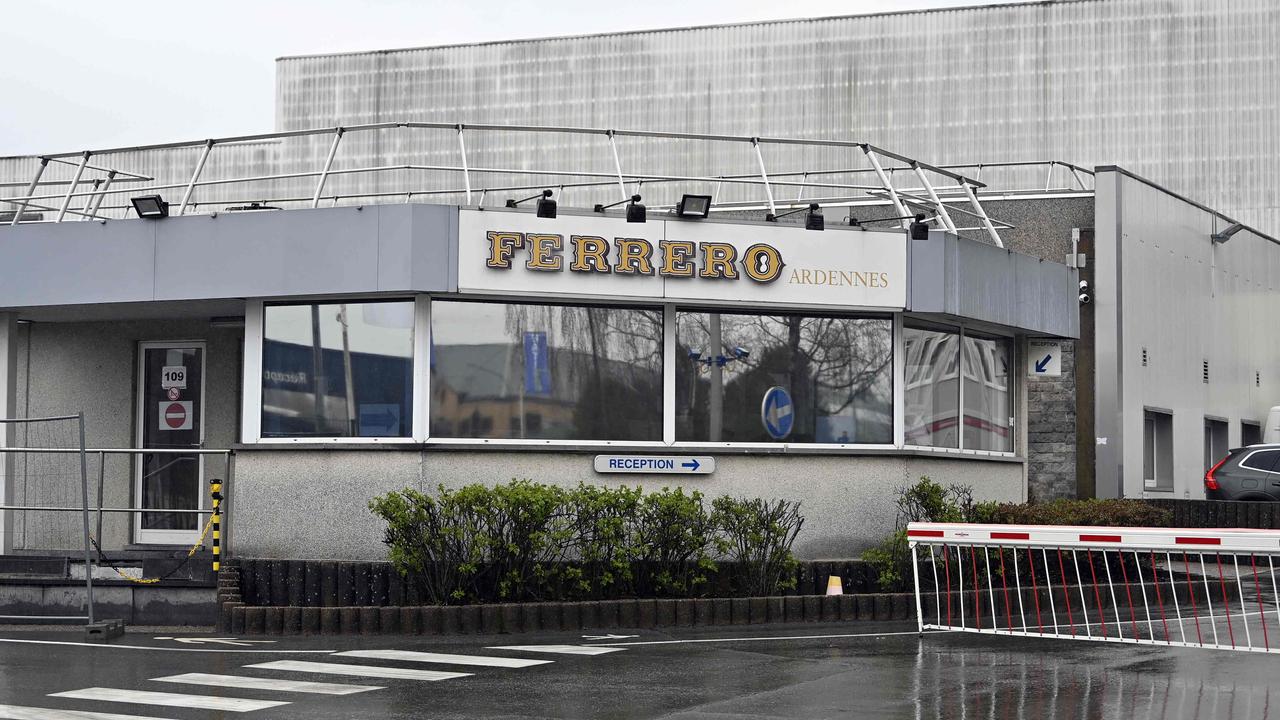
1186, 92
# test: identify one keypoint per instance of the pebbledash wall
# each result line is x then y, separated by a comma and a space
302, 491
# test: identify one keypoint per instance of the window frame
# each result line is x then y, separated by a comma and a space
252, 390
543, 442
255, 346
963, 331
895, 347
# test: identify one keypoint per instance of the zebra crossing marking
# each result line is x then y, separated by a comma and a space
18, 712
560, 649
255, 683
444, 658
146, 697
359, 670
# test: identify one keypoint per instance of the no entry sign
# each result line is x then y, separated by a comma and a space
176, 415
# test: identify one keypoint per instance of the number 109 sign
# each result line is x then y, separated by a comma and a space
173, 376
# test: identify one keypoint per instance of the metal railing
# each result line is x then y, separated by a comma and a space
941, 192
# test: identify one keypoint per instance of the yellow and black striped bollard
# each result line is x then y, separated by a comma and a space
217, 525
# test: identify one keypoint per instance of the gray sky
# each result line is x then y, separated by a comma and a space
80, 74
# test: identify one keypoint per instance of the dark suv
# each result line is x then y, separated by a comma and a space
1247, 473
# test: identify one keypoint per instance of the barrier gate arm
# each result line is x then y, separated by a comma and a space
1190, 587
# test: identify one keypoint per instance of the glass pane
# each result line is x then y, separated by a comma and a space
987, 401
932, 369
545, 372
171, 408
838, 371
338, 370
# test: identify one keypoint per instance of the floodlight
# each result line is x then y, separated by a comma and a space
694, 206
813, 220
1225, 235
919, 229
150, 206
546, 206
636, 212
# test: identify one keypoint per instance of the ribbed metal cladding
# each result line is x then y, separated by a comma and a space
1185, 92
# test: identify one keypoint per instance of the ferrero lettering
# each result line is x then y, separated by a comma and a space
761, 263
501, 246
676, 258
590, 254
717, 261
634, 256
544, 252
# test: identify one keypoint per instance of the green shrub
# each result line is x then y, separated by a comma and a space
528, 541
757, 535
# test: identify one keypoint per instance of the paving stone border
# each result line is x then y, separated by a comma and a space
240, 619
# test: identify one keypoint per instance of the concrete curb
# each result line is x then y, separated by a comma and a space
560, 616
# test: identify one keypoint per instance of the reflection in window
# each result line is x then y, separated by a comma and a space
932, 412
988, 403
838, 371
338, 370
545, 371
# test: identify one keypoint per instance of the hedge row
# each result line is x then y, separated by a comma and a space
525, 541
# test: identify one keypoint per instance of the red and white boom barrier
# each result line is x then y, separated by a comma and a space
1154, 586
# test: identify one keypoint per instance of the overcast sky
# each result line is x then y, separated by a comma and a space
80, 74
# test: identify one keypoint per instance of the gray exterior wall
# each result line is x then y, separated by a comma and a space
65, 368
1162, 285
1182, 91
848, 502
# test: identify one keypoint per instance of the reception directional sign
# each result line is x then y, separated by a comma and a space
656, 464
1044, 358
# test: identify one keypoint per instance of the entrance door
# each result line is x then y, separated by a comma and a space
170, 417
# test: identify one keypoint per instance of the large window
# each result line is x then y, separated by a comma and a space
988, 404
559, 372
932, 369
338, 370
837, 371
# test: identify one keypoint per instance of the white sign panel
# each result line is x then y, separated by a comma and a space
173, 376
656, 464
508, 252
1044, 358
176, 415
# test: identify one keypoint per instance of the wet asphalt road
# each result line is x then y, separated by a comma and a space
885, 672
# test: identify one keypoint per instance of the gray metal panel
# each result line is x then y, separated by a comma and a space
956, 278
1184, 91
377, 249
77, 262
1187, 301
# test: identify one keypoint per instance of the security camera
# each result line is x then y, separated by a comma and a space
1085, 296
1084, 286
1085, 299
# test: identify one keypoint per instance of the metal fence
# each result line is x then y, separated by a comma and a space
1154, 586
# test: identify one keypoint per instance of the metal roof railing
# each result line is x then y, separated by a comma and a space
941, 192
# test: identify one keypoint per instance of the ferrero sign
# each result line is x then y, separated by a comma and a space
589, 256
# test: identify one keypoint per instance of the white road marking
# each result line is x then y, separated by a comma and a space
560, 649
142, 697
14, 712
220, 641
253, 683
621, 645
610, 636
426, 657
160, 649
358, 670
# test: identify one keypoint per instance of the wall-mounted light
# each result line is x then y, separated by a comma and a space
152, 207
1221, 237
812, 221
635, 211
546, 206
694, 206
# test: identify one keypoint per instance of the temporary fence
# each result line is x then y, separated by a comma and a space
1154, 586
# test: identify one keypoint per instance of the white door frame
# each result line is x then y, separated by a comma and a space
166, 537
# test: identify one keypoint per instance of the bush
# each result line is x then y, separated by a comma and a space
528, 541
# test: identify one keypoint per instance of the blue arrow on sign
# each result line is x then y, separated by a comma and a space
692, 465
1041, 365
777, 412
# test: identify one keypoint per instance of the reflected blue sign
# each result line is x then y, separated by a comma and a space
537, 365
777, 412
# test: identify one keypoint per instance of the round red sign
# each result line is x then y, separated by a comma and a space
175, 416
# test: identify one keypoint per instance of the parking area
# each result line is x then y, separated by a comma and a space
881, 671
